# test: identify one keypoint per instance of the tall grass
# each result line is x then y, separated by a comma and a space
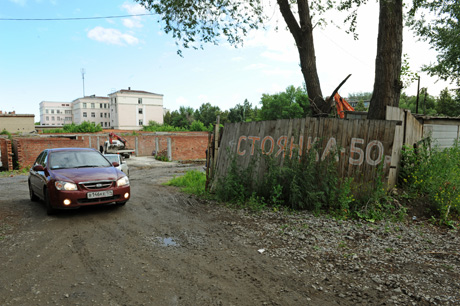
435, 174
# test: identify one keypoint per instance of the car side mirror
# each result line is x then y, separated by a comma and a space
38, 168
115, 164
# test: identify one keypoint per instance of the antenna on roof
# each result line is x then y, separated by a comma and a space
83, 78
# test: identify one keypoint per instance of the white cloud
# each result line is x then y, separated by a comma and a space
112, 36
133, 9
132, 22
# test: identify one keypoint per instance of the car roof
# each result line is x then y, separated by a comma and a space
71, 149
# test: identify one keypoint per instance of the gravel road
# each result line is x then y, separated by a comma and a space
168, 248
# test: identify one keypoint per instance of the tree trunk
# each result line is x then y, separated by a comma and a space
303, 36
387, 84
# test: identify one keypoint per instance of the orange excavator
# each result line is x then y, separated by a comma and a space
342, 106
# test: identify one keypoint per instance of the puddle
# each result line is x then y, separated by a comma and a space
167, 242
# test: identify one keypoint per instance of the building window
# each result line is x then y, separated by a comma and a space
93, 115
85, 114
57, 111
92, 105
47, 111
100, 105
105, 115
141, 122
84, 105
52, 111
68, 112
52, 118
47, 118
140, 110
58, 118
139, 101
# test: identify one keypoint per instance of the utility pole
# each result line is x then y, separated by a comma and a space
83, 78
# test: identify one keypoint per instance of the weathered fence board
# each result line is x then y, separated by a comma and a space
362, 146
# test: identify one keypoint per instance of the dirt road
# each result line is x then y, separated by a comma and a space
167, 248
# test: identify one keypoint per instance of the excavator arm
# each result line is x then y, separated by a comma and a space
342, 106
113, 135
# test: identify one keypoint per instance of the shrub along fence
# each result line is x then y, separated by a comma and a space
362, 148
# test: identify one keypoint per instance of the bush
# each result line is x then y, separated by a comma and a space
84, 127
306, 184
435, 174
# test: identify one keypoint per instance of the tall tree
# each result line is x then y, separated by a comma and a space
293, 103
438, 23
207, 113
195, 22
387, 83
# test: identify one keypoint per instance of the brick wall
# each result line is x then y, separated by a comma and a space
184, 145
7, 154
26, 150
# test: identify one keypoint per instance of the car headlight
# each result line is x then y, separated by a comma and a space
124, 181
60, 185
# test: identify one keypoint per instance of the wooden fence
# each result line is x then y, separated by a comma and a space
362, 145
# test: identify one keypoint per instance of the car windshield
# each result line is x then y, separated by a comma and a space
112, 158
77, 159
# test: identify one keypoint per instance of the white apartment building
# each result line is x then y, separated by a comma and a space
131, 109
55, 113
93, 109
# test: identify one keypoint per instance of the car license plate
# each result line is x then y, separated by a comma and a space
99, 194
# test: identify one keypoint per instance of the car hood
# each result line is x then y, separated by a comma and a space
78, 175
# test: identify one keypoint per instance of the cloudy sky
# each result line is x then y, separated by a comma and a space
43, 60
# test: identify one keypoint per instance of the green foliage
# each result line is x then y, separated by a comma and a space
182, 118
447, 105
236, 186
293, 103
306, 184
426, 105
207, 114
5, 132
156, 127
407, 75
84, 127
243, 113
198, 126
359, 96
194, 23
438, 23
360, 107
193, 182
436, 174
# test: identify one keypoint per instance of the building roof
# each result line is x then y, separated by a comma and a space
13, 114
135, 91
91, 97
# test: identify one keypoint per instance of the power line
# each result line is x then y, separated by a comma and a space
71, 19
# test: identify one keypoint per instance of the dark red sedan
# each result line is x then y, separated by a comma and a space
75, 177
